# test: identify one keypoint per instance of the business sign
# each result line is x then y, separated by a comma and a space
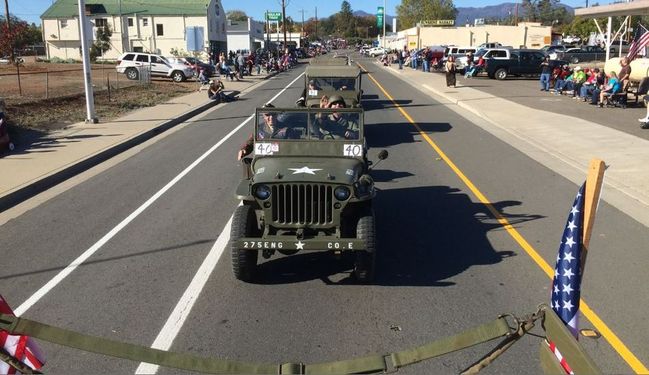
437, 23
379, 17
273, 16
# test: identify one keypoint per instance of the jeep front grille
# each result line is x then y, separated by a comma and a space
302, 204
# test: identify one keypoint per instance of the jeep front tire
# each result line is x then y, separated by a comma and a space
244, 224
364, 263
501, 74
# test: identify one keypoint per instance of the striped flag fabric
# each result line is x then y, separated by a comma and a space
640, 41
567, 272
565, 293
22, 348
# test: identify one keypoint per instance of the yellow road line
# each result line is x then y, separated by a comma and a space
606, 332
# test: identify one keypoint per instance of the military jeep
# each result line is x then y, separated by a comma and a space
307, 188
343, 80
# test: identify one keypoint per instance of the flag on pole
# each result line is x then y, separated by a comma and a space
640, 41
22, 348
567, 272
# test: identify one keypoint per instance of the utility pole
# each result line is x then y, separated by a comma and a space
316, 23
284, 22
385, 19
302, 11
87, 77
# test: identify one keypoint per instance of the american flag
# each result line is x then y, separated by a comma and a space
640, 41
22, 348
567, 272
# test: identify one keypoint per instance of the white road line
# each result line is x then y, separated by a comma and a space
93, 249
184, 306
181, 312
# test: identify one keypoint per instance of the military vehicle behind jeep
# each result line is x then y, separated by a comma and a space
331, 80
307, 188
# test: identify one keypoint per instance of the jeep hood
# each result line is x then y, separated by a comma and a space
304, 169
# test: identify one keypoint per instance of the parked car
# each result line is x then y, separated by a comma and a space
377, 51
521, 62
553, 51
130, 63
586, 53
191, 61
487, 53
615, 48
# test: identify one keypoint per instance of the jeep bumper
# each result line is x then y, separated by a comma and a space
308, 244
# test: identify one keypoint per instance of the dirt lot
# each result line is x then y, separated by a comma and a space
53, 96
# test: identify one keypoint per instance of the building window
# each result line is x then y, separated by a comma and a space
101, 22
130, 22
138, 49
159, 30
145, 22
64, 24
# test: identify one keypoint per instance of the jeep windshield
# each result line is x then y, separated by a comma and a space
312, 124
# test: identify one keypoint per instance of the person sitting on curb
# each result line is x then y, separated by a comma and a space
216, 91
5, 141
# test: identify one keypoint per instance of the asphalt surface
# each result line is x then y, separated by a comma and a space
444, 263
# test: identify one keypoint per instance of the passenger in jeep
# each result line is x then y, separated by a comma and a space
338, 125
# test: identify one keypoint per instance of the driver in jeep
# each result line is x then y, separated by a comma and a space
272, 129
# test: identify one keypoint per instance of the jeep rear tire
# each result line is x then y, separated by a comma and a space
501, 74
244, 224
132, 74
177, 76
364, 263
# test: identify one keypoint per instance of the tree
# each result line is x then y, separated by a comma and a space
412, 11
236, 15
16, 39
344, 21
102, 42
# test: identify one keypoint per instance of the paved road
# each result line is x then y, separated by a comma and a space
445, 264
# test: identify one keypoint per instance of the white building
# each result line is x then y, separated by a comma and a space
278, 38
157, 26
244, 35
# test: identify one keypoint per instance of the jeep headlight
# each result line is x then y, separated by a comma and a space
262, 192
342, 193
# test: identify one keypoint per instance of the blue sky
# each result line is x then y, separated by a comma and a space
31, 10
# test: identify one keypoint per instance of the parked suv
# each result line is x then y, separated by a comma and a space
131, 63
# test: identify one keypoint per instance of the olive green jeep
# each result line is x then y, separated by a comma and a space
321, 80
306, 188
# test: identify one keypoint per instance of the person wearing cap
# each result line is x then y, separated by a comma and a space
270, 129
338, 125
310, 87
578, 79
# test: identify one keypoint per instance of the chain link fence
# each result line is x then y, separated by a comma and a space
63, 81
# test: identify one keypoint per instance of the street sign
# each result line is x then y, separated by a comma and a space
273, 16
437, 23
379, 17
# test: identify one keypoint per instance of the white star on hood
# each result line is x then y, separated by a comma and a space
305, 169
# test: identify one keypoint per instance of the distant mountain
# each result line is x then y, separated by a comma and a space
469, 14
361, 13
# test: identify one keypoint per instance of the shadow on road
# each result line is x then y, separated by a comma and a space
425, 235
389, 134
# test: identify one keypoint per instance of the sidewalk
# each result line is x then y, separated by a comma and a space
65, 153
563, 143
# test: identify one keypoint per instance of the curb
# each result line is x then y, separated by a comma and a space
31, 189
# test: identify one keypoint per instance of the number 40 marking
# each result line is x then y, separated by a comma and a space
352, 150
